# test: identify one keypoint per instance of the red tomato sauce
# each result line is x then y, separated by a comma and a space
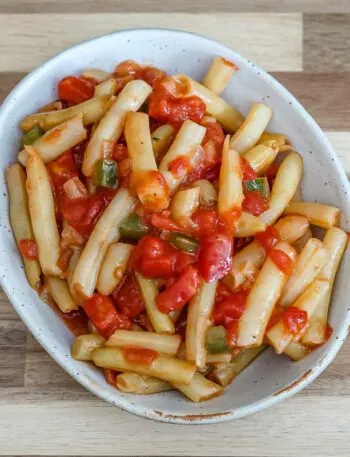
75, 90
247, 170
29, 249
295, 320
230, 308
282, 260
269, 238
254, 203
110, 376
140, 355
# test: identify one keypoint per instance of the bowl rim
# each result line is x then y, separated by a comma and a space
125, 404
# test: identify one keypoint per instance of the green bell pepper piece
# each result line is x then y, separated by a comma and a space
133, 228
216, 340
258, 184
184, 242
105, 173
32, 135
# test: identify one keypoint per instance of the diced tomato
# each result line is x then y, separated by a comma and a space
254, 204
110, 376
328, 332
179, 293
208, 166
102, 313
140, 355
61, 170
129, 68
179, 167
282, 260
75, 90
151, 75
28, 248
247, 171
120, 152
76, 321
228, 221
215, 256
183, 260
64, 258
232, 333
163, 221
83, 213
272, 170
230, 308
215, 133
294, 319
241, 243
128, 299
166, 108
205, 221
154, 257
268, 238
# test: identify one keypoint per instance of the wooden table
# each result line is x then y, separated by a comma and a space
43, 410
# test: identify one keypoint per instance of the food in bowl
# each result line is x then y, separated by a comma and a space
168, 231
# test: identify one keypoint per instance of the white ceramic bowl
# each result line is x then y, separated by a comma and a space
270, 378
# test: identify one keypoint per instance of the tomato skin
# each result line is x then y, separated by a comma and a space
75, 90
282, 260
268, 238
294, 319
128, 299
140, 355
61, 170
230, 308
179, 293
110, 376
247, 171
166, 108
28, 249
254, 204
215, 256
102, 313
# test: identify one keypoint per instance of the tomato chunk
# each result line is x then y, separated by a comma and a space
230, 308
282, 260
143, 356
166, 108
163, 221
247, 171
215, 256
110, 376
154, 258
295, 319
254, 203
128, 299
268, 238
28, 248
75, 90
205, 221
179, 293
179, 167
120, 152
222, 292
104, 316
215, 133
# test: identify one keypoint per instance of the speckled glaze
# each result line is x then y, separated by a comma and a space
270, 378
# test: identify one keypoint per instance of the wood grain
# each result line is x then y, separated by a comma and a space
26, 40
170, 6
326, 42
325, 95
